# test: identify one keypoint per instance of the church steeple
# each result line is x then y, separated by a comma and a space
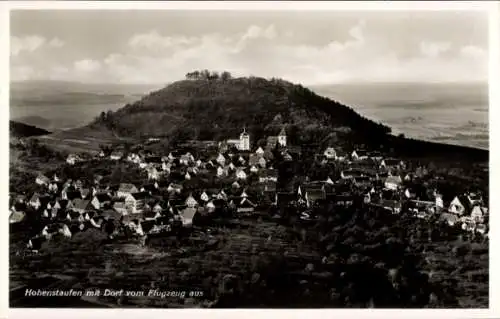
282, 137
244, 140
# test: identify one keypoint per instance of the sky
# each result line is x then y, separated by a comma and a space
312, 48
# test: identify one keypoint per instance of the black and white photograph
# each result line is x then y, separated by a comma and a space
266, 158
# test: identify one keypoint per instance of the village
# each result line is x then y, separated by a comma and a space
188, 186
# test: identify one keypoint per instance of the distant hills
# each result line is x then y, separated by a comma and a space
19, 130
55, 93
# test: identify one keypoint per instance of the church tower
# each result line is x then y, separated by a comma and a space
244, 141
282, 137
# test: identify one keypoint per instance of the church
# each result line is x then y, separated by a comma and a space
243, 143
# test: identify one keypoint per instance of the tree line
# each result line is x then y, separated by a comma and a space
208, 75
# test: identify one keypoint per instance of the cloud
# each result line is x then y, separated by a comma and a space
28, 43
56, 43
355, 54
32, 43
87, 65
153, 41
434, 49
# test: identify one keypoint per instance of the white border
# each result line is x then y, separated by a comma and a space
491, 6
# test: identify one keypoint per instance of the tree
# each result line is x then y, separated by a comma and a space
225, 76
205, 74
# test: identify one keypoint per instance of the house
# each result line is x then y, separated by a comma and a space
343, 199
439, 201
187, 176
185, 159
166, 167
362, 181
17, 216
191, 201
359, 155
286, 156
269, 187
75, 216
478, 213
97, 179
245, 206
272, 141
420, 206
151, 215
134, 158
221, 160
153, 173
254, 169
330, 153
222, 195
126, 189
241, 160
235, 185
135, 202
240, 174
457, 206
187, 215
262, 162
210, 206
220, 172
116, 155
313, 194
120, 208
42, 180
253, 160
266, 175
259, 151
393, 206
410, 193
81, 205
450, 219
72, 159
101, 199
474, 199
392, 163
35, 201
204, 197
174, 188
393, 182
351, 173
53, 187
329, 181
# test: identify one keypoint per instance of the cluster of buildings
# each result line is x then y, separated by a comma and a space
179, 187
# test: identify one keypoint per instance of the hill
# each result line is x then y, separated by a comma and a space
217, 109
18, 129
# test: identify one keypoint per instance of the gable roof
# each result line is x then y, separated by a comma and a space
80, 203
140, 195
188, 212
394, 179
127, 187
